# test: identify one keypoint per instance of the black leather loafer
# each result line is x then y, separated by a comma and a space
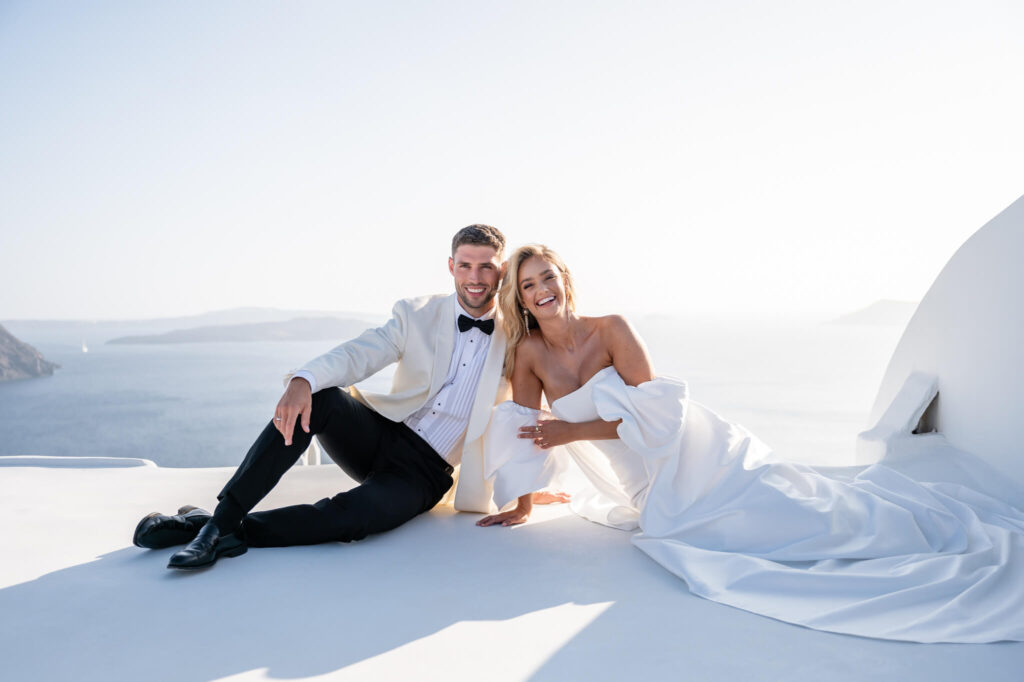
158, 531
208, 546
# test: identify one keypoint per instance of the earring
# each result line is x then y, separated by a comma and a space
526, 321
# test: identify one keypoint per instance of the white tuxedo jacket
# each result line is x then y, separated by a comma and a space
420, 337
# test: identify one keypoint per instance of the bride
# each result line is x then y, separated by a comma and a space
871, 553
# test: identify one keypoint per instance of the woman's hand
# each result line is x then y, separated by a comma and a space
511, 518
551, 497
549, 433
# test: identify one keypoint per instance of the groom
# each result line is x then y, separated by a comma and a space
402, 447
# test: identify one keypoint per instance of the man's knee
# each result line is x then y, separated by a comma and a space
373, 507
345, 522
333, 404
330, 398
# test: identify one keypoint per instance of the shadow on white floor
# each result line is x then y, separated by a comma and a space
439, 598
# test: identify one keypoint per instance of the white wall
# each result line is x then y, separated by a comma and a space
969, 332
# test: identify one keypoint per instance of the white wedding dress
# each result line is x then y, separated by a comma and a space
866, 551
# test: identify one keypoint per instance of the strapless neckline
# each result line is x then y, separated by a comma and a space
585, 384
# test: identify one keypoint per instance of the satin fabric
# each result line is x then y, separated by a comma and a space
865, 551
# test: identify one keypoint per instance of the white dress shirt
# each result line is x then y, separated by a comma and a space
443, 420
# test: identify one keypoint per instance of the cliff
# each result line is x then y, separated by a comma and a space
18, 360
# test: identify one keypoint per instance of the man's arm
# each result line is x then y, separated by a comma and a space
363, 356
344, 365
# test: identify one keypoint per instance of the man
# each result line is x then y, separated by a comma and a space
401, 447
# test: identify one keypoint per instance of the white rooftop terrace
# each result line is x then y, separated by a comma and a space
556, 599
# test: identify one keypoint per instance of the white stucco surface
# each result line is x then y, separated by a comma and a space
437, 599
968, 332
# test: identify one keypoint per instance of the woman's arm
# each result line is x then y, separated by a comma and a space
628, 351
526, 391
633, 363
526, 385
549, 433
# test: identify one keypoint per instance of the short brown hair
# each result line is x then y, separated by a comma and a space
480, 235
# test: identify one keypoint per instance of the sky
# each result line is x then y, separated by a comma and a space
685, 158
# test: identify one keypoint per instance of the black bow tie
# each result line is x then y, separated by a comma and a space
467, 323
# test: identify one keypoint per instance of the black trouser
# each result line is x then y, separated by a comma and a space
400, 476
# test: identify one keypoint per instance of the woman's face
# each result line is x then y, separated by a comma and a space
541, 288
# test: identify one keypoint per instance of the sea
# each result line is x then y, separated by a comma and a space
806, 388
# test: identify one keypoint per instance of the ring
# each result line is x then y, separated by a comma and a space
277, 419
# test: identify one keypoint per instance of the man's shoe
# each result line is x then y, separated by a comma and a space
208, 546
158, 531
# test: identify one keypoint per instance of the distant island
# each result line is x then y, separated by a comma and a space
97, 332
298, 329
880, 313
18, 360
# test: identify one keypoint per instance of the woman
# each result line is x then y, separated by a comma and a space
873, 554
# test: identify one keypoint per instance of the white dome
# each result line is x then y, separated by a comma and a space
966, 340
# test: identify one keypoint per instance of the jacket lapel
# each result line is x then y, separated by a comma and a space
487, 390
444, 345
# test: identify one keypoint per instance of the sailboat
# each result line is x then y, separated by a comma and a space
85, 348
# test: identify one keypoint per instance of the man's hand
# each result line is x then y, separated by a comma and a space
549, 433
297, 401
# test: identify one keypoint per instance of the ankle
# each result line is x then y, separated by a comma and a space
228, 515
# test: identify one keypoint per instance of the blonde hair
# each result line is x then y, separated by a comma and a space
514, 317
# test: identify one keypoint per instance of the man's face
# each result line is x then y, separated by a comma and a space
477, 271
